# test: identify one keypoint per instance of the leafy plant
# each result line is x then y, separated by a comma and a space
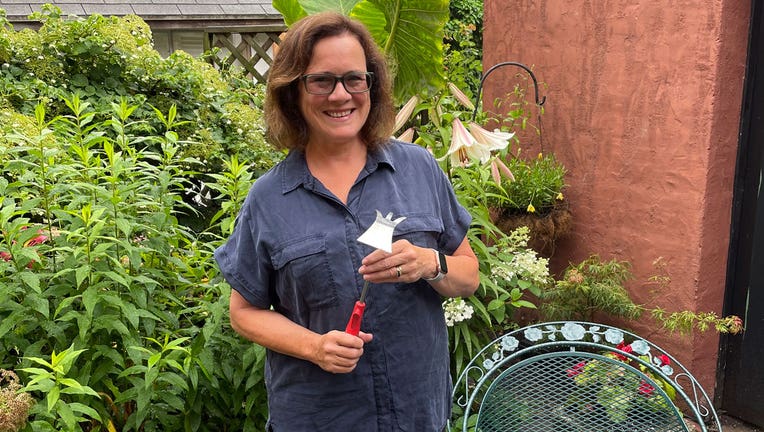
61, 390
120, 304
463, 53
104, 58
509, 270
620, 393
536, 187
597, 286
409, 32
588, 287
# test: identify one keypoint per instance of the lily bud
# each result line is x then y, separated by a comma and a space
407, 135
460, 96
495, 172
505, 169
405, 113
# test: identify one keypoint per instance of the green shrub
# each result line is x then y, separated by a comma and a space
104, 58
113, 312
463, 45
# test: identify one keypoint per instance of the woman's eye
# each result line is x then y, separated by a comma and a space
322, 80
355, 80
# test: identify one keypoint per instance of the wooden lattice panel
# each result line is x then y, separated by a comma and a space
245, 47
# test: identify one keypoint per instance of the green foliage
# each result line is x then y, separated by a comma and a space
54, 382
536, 188
114, 312
104, 58
593, 286
463, 50
409, 32
588, 287
509, 270
620, 391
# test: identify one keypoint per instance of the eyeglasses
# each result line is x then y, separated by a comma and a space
325, 83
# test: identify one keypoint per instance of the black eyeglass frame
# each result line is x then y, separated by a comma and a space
338, 78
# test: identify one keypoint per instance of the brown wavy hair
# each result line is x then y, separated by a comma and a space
285, 126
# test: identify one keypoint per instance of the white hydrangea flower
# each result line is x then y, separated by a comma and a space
456, 310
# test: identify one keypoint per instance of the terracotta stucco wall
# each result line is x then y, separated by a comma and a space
643, 108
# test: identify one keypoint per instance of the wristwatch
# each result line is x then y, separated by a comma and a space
442, 267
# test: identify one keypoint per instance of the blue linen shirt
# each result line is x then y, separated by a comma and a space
295, 249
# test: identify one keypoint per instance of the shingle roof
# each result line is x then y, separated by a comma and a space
209, 11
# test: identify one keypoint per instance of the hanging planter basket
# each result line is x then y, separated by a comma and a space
546, 227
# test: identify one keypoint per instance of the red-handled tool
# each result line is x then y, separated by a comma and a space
354, 324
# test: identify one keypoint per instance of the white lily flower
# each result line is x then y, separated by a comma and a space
496, 140
478, 144
464, 147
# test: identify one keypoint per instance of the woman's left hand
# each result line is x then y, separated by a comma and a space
406, 263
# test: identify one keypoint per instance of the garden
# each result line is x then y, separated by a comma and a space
122, 171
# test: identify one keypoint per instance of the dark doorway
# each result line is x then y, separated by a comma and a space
741, 375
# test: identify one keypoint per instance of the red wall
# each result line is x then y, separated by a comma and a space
643, 109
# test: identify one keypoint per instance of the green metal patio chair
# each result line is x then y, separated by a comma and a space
571, 376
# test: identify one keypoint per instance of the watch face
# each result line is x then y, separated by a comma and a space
443, 264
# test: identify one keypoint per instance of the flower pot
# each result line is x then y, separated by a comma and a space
546, 227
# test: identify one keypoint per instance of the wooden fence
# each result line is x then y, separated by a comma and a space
250, 47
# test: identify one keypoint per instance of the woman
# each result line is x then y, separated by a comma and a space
296, 266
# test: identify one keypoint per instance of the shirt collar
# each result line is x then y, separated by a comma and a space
295, 169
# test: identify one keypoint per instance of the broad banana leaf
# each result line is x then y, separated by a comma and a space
410, 32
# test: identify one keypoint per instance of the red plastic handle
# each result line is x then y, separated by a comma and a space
354, 324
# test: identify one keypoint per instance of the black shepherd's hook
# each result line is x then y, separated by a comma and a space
539, 102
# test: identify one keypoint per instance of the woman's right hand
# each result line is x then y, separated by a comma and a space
339, 352
335, 351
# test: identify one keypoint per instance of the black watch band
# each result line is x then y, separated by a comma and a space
442, 267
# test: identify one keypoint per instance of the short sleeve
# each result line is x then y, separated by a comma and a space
243, 262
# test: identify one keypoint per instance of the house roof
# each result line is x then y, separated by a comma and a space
158, 13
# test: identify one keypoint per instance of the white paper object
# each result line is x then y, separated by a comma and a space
380, 233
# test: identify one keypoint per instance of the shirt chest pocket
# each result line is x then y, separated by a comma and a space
305, 274
420, 230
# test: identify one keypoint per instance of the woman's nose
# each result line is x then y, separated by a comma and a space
339, 92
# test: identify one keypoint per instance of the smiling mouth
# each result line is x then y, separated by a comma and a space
339, 114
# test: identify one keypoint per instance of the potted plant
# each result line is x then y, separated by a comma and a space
533, 197
532, 194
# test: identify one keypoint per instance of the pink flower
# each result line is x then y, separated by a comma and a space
5, 256
505, 170
625, 348
645, 388
495, 172
459, 95
34, 241
490, 141
577, 369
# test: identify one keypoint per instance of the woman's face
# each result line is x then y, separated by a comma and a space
335, 118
